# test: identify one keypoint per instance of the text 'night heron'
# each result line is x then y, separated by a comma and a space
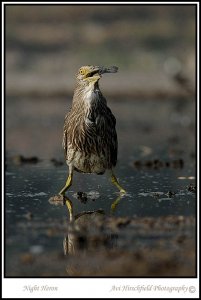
89, 136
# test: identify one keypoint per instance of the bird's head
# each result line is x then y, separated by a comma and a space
88, 74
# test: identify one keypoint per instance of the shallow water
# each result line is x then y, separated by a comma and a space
149, 192
29, 188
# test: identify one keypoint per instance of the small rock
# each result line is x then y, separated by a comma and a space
82, 197
56, 162
177, 164
137, 164
57, 200
20, 159
149, 164
170, 194
191, 188
158, 164
28, 215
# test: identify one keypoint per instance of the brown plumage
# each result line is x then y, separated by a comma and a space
89, 138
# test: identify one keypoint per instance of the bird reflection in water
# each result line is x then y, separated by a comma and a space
86, 235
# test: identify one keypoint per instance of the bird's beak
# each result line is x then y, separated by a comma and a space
93, 75
94, 71
93, 78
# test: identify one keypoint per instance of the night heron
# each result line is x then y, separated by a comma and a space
89, 135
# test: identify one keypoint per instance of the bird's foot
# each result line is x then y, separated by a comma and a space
122, 191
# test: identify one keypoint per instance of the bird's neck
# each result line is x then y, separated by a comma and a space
88, 99
87, 94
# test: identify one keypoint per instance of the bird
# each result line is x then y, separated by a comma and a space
89, 134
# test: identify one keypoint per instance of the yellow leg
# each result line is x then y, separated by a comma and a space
67, 185
115, 203
69, 205
116, 183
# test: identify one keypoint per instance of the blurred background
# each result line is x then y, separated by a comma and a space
153, 46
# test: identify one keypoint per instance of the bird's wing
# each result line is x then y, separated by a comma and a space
105, 124
113, 137
64, 141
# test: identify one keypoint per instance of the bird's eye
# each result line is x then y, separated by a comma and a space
82, 72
